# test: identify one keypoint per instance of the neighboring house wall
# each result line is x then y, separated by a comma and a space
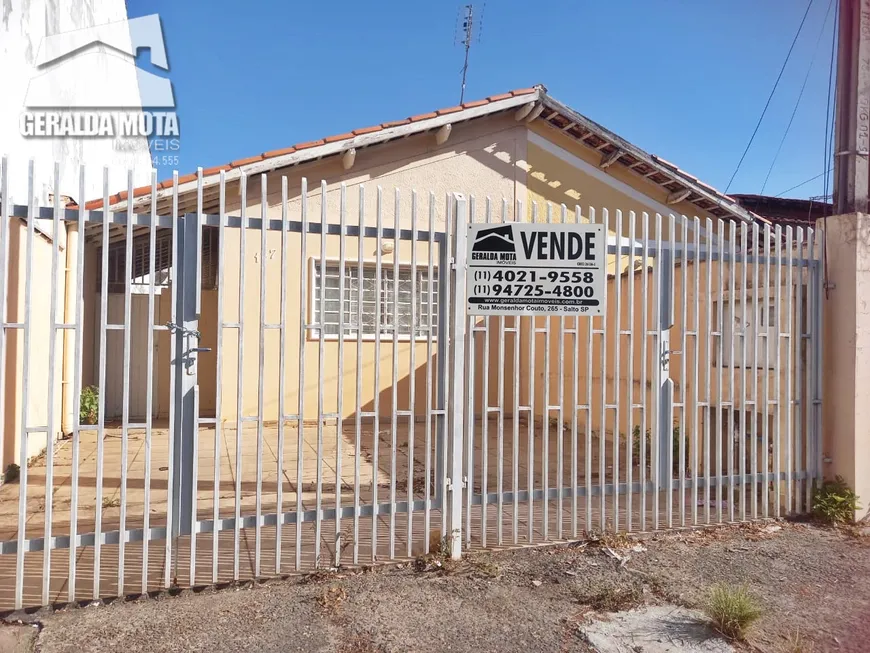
38, 390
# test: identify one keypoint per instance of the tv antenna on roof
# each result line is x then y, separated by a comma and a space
465, 37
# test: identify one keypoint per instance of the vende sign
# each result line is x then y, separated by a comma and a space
526, 269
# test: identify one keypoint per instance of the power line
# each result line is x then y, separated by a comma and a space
788, 190
770, 97
829, 145
800, 95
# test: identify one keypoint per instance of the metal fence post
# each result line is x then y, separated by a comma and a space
456, 422
665, 410
185, 263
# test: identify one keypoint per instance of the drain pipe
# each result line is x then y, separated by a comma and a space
68, 411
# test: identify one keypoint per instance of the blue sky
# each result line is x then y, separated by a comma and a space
684, 79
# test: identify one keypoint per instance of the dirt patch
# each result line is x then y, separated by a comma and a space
813, 585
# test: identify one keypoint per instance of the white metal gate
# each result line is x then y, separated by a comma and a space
330, 403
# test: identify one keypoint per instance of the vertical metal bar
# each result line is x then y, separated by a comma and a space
560, 420
777, 375
655, 464
807, 391
282, 371
219, 366
588, 453
484, 415
5, 202
765, 425
77, 379
629, 400
321, 370
720, 360
430, 305
797, 345
708, 410
545, 409
359, 366
575, 397
516, 417
617, 372
191, 274
377, 373
602, 435
754, 371
667, 434
169, 562
339, 425
684, 385
645, 362
458, 353
500, 391
732, 304
533, 336
25, 395
125, 427
300, 387
472, 364
697, 263
261, 364
394, 425
789, 396
444, 348
51, 418
412, 373
243, 182
744, 315
101, 421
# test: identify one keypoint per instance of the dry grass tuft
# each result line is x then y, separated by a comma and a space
732, 609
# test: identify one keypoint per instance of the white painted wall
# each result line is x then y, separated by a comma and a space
23, 24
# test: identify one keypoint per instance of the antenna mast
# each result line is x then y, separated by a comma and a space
466, 37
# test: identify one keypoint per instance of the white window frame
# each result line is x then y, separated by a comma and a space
385, 335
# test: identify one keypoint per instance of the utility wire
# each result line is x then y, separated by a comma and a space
800, 95
830, 108
770, 97
806, 181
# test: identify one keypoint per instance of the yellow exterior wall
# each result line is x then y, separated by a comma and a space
37, 415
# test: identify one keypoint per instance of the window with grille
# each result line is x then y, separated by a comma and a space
410, 314
141, 266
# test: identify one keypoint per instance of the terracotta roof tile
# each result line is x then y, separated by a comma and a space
442, 112
215, 170
367, 130
142, 190
523, 91
395, 123
476, 103
186, 178
496, 98
273, 153
338, 137
309, 144
243, 162
423, 116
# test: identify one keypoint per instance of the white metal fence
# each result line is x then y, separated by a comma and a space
295, 418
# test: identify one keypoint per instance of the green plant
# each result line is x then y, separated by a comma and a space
675, 446
835, 502
732, 609
89, 405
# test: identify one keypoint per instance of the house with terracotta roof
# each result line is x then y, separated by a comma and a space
524, 150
